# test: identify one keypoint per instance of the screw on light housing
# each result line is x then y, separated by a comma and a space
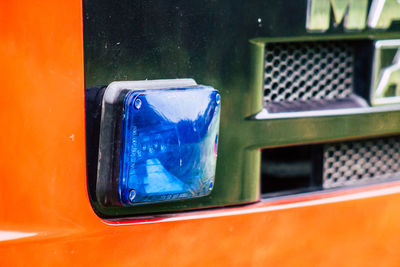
138, 103
210, 186
218, 99
132, 194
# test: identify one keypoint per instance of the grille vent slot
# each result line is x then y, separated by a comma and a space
308, 70
330, 165
353, 163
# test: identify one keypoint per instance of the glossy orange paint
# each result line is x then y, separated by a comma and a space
45, 215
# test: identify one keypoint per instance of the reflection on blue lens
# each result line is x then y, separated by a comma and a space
169, 144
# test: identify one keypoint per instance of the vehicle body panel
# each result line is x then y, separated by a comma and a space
46, 217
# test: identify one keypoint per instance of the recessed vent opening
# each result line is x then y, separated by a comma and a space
298, 169
290, 169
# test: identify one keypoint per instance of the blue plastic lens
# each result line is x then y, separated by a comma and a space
169, 144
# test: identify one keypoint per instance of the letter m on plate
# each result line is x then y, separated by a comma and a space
353, 14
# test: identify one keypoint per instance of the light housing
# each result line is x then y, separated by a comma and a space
158, 142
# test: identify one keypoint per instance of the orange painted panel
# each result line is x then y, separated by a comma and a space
45, 214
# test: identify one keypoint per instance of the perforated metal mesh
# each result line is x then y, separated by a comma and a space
308, 70
353, 163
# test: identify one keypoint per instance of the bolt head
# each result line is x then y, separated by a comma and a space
132, 195
138, 103
210, 186
217, 98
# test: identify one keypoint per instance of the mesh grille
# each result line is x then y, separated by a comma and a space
353, 163
311, 70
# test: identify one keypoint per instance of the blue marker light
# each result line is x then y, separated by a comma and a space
169, 143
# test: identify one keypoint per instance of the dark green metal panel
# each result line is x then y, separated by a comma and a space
218, 43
